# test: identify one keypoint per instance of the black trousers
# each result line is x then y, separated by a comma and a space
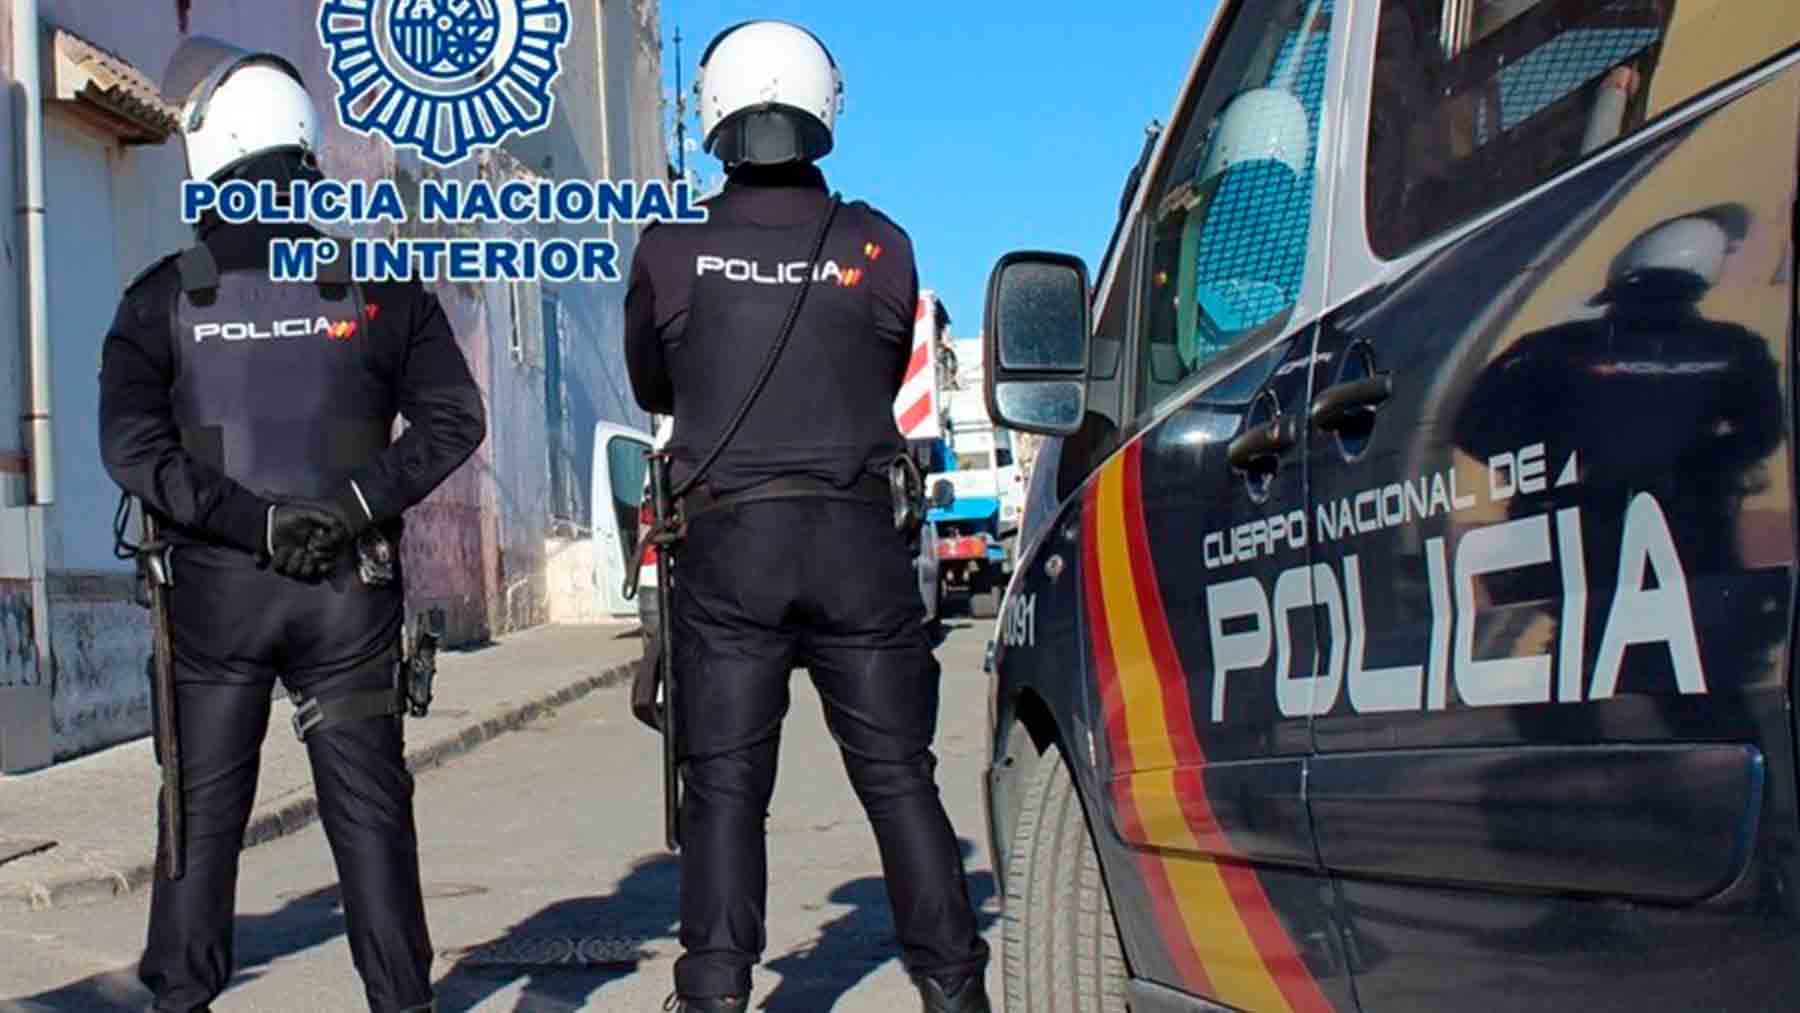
235, 630
825, 585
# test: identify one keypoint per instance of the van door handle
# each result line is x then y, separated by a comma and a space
1257, 449
1340, 404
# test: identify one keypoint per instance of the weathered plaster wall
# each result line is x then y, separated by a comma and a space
18, 651
649, 153
100, 693
593, 138
449, 543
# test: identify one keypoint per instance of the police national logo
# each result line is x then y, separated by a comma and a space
445, 77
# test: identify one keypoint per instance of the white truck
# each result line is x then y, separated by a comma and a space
921, 413
974, 532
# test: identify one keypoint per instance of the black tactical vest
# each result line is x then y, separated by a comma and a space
274, 383
827, 412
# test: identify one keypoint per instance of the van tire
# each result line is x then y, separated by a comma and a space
985, 604
1060, 946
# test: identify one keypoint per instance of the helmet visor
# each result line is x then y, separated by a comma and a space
200, 66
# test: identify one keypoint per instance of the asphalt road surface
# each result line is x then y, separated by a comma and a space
547, 886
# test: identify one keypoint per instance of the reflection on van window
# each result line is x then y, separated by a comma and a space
1232, 219
1467, 22
1478, 101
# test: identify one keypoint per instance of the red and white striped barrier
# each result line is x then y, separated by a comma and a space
916, 409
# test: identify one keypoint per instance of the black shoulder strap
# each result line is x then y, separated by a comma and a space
199, 271
336, 273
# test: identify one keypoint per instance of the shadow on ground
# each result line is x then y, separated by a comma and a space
940, 630
565, 953
309, 920
569, 950
855, 944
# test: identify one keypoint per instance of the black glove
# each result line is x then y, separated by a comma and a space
305, 539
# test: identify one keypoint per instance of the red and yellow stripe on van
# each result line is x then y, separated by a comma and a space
1220, 929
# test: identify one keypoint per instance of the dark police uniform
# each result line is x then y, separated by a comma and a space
769, 585
222, 393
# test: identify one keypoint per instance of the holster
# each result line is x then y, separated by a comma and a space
419, 670
906, 483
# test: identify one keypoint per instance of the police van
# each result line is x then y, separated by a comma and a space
1404, 617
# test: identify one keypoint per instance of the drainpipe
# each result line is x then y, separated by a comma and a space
28, 70
34, 299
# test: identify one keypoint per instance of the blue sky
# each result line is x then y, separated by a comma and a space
981, 126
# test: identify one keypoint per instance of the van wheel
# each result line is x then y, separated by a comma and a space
1061, 950
984, 604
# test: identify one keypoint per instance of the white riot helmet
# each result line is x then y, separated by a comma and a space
769, 92
237, 104
1678, 259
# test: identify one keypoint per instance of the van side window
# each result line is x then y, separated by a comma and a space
1478, 101
1230, 214
627, 466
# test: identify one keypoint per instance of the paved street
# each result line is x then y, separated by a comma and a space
548, 888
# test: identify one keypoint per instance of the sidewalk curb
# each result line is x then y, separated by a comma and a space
277, 821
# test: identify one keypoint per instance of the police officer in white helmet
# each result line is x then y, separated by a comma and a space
267, 469
796, 551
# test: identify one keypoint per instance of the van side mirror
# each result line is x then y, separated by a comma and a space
1035, 343
943, 494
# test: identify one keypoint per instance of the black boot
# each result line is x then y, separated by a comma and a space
720, 1004
966, 996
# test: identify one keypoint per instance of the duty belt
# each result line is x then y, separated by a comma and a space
867, 489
